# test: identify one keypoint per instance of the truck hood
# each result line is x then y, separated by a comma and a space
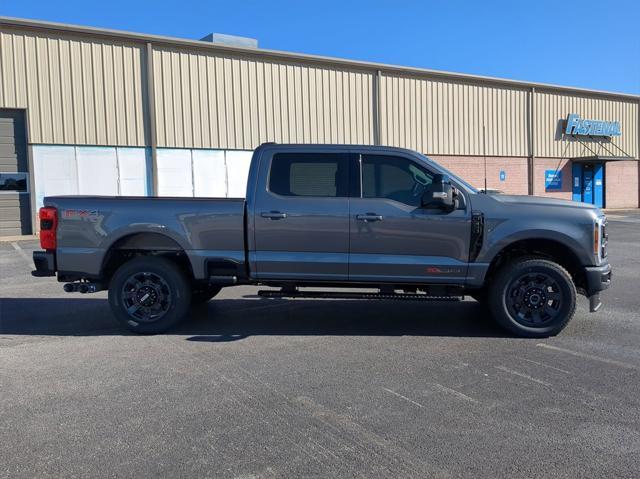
541, 201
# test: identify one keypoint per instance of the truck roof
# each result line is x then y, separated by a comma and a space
333, 146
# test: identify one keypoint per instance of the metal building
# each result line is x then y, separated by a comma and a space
95, 111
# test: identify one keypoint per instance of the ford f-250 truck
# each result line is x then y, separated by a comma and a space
340, 216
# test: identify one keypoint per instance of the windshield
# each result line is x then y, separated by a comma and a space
447, 172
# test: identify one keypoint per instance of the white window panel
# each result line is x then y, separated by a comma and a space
209, 173
133, 171
97, 170
174, 172
238, 163
55, 171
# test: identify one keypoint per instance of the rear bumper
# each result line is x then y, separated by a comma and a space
45, 263
598, 278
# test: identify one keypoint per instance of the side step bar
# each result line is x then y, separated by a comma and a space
223, 280
292, 293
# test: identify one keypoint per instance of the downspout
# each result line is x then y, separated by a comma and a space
375, 105
150, 117
531, 143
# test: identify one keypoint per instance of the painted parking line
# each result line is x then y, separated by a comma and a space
545, 365
453, 392
593, 357
522, 375
403, 397
21, 252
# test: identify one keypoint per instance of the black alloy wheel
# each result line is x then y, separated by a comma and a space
532, 297
146, 296
149, 294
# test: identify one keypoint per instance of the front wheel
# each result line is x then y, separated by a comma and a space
149, 295
532, 297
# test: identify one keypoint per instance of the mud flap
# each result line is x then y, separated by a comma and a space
594, 303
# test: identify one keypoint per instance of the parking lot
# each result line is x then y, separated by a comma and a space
250, 387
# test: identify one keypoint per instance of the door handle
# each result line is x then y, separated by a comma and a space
273, 215
369, 217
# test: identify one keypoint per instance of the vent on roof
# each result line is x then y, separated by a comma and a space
231, 40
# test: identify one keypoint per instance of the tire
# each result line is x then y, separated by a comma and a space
532, 297
202, 295
149, 295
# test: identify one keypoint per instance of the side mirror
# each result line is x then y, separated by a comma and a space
439, 194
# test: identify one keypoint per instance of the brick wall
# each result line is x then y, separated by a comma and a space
622, 184
540, 166
622, 178
471, 169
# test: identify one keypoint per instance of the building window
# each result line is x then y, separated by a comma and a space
309, 174
14, 183
394, 178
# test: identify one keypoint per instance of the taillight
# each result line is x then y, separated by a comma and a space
48, 226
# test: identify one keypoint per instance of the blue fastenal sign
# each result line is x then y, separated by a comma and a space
552, 180
579, 127
503, 175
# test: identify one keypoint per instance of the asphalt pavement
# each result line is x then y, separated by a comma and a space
251, 387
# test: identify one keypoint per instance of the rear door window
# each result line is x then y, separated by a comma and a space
309, 174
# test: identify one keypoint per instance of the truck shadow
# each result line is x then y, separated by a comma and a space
225, 320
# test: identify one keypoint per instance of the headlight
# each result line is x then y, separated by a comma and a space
600, 238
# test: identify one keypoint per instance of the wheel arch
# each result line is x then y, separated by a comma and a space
551, 249
144, 243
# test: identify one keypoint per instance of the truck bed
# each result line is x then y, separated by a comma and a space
202, 227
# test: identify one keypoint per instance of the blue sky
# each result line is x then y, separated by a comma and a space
584, 43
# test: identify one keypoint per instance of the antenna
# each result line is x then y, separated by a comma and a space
484, 153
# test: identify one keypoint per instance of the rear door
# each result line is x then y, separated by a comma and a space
301, 215
392, 238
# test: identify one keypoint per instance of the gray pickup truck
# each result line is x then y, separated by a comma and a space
388, 221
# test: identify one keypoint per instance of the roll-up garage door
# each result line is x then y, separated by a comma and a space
15, 211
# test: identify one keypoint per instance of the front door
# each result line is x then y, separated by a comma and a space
301, 226
588, 183
392, 238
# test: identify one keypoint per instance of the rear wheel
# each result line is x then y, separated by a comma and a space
532, 297
149, 295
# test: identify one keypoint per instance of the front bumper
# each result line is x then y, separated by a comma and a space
598, 278
45, 263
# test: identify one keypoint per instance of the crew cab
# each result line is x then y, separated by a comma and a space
332, 216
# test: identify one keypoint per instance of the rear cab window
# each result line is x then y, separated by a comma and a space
309, 175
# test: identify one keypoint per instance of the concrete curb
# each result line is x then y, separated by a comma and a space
8, 239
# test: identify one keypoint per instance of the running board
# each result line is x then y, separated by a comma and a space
353, 295
223, 280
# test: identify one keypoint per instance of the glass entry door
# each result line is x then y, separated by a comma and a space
588, 183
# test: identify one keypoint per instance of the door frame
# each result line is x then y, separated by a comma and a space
577, 170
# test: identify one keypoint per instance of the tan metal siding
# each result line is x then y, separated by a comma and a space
76, 90
552, 108
205, 100
446, 118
